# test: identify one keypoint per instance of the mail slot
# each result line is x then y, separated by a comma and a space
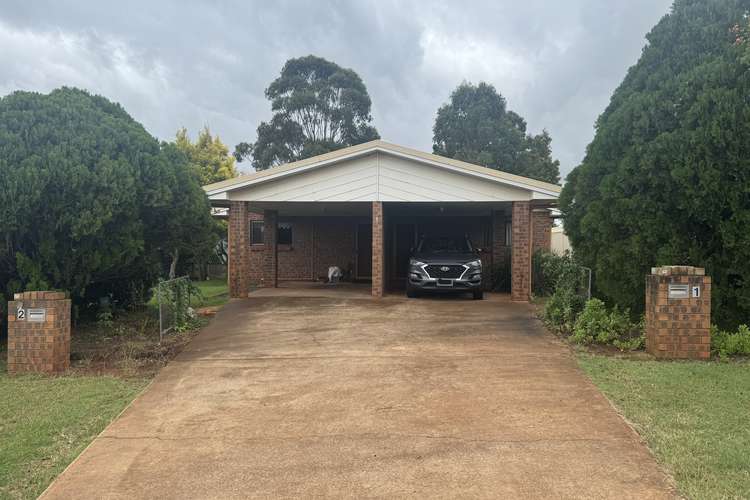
678, 291
36, 315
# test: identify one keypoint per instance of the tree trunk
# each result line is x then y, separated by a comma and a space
173, 265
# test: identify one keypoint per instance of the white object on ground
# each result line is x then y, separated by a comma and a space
334, 274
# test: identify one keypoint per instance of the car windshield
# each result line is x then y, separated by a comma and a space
444, 245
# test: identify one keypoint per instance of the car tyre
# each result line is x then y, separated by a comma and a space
478, 294
411, 293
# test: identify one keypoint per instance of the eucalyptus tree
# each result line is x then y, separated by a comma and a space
318, 107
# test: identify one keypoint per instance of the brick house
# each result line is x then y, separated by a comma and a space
363, 208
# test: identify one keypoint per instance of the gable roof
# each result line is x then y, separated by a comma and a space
219, 190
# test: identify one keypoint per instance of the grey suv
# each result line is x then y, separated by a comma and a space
445, 264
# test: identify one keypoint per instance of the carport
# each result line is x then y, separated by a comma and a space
363, 208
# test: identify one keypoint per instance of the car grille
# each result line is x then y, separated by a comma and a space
449, 271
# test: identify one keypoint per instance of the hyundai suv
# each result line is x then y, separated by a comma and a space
445, 264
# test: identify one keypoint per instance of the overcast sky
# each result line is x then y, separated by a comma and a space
189, 63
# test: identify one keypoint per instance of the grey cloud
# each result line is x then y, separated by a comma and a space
175, 63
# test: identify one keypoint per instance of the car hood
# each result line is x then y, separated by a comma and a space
445, 258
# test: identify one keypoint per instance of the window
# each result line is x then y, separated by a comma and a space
284, 235
256, 232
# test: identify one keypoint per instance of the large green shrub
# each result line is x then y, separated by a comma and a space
665, 180
90, 202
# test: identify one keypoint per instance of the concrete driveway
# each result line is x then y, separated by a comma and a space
317, 394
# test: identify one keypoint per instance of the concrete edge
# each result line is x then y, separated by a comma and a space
116, 417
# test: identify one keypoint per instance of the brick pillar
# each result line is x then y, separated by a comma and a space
542, 227
271, 250
38, 333
678, 312
378, 251
520, 281
238, 267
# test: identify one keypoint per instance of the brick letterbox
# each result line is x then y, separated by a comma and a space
678, 312
38, 332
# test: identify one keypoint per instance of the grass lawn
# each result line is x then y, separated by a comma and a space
215, 293
45, 422
694, 415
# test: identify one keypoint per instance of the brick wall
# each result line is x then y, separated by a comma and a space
317, 244
542, 230
678, 327
378, 250
238, 266
520, 289
39, 346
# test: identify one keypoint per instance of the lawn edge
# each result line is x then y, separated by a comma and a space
114, 419
631, 425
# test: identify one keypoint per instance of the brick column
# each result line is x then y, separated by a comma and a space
38, 333
520, 282
378, 251
238, 267
678, 312
271, 250
542, 227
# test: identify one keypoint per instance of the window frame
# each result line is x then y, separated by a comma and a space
262, 225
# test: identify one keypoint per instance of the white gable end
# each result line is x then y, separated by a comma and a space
379, 176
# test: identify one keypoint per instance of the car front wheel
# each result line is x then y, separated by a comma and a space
478, 294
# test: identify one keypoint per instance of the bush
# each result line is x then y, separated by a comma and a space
665, 179
593, 324
561, 310
551, 272
725, 343
597, 325
92, 203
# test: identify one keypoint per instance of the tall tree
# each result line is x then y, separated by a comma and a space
87, 196
666, 179
477, 127
208, 156
318, 107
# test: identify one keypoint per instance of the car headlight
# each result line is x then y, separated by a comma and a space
416, 263
475, 263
